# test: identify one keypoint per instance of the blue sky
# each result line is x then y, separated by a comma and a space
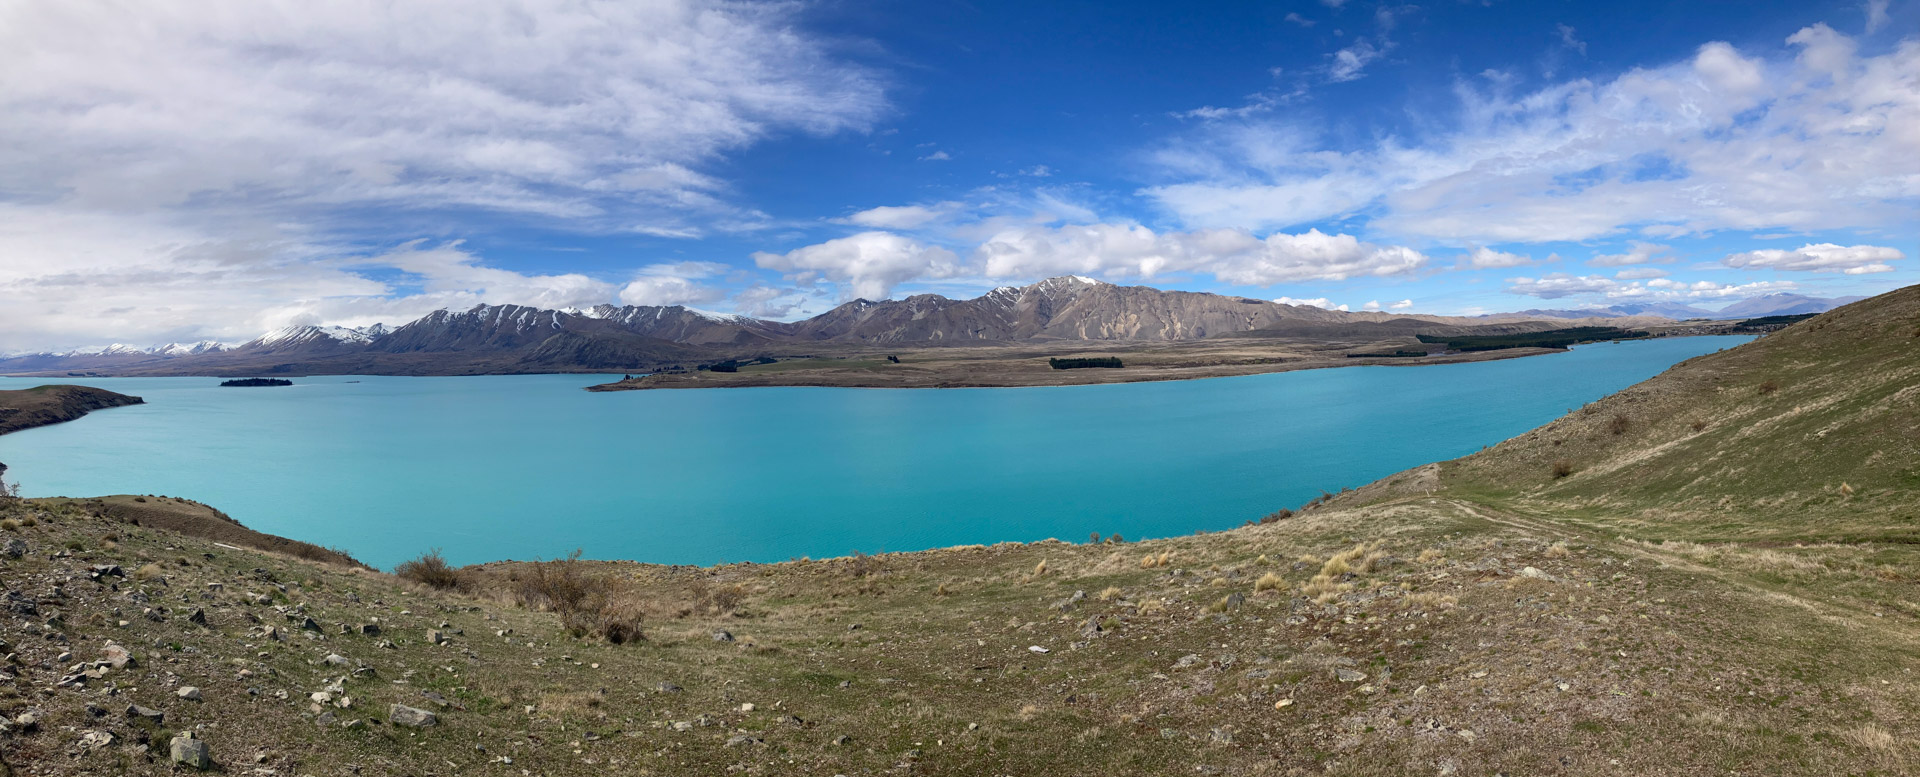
169, 173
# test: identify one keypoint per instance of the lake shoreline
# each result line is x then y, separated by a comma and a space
1036, 375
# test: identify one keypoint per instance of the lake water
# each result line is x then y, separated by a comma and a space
531, 466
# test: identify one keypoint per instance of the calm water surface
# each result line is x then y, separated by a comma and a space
531, 466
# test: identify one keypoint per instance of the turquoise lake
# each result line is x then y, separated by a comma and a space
531, 466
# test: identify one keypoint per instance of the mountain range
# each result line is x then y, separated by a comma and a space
518, 338
1778, 304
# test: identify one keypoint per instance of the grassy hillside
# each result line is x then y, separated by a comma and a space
1477, 617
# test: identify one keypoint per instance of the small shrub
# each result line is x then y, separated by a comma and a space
147, 572
10, 524
718, 599
431, 570
1115, 539
1094, 539
1558, 550
1769, 387
940, 590
1562, 468
1431, 556
589, 605
29, 521
1277, 515
1619, 424
1699, 425
1846, 490
1269, 582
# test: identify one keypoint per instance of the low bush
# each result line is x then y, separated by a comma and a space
1562, 468
431, 570
589, 605
1619, 424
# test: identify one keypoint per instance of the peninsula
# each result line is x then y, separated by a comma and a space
43, 405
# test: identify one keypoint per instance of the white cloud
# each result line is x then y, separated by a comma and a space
1640, 273
1233, 256
1638, 252
1820, 257
1350, 63
869, 264
937, 156
1876, 15
903, 216
1558, 285
1371, 305
1298, 19
1316, 302
541, 107
1826, 140
676, 283
1570, 40
1405, 304
1483, 258
178, 169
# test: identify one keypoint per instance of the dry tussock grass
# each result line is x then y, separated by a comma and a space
1110, 593
1270, 582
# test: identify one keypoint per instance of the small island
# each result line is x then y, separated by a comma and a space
256, 382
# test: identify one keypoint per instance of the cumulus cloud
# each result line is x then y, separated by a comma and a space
1640, 273
1483, 258
1723, 140
1316, 302
676, 283
1350, 63
1876, 15
1819, 257
1559, 285
869, 264
1405, 304
903, 216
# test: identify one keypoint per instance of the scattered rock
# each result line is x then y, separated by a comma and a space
96, 739
1346, 675
436, 637
335, 659
309, 624
198, 616
411, 717
738, 740
137, 712
722, 636
119, 657
1282, 704
666, 687
370, 629
191, 753
16, 548
187, 692
1037, 649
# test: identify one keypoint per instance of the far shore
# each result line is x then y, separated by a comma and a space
999, 368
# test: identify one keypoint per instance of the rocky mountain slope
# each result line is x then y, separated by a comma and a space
1720, 583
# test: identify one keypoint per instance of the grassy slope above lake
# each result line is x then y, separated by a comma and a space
1682, 600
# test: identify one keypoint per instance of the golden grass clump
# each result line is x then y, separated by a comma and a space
1870, 737
1270, 582
940, 590
1152, 606
30, 522
1110, 593
1219, 582
10, 524
1846, 490
1263, 560
1558, 550
1431, 556
147, 572
1040, 568
1430, 601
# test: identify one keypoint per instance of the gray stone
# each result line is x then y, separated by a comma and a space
137, 712
119, 657
370, 629
187, 692
1346, 675
191, 753
335, 659
436, 636
668, 688
722, 635
411, 717
16, 548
